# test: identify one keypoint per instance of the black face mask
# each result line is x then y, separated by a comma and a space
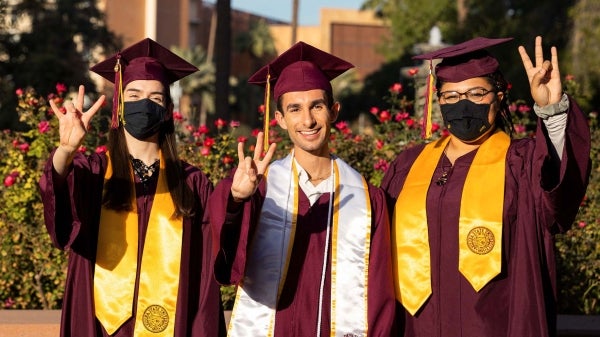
143, 118
466, 120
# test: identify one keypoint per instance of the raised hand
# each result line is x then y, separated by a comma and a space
544, 77
250, 170
72, 127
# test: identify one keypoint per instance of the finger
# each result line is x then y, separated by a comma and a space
87, 116
240, 153
250, 171
539, 53
525, 58
554, 60
258, 148
80, 98
262, 167
56, 110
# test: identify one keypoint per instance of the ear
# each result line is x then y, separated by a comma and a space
280, 120
335, 111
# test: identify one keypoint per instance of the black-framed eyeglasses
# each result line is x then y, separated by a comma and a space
474, 95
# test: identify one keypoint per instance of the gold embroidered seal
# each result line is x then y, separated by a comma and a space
155, 318
480, 240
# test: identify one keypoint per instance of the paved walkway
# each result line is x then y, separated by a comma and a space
45, 323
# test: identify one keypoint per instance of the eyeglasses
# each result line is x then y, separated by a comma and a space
473, 95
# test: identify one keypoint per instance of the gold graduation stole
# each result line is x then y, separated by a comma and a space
116, 265
480, 223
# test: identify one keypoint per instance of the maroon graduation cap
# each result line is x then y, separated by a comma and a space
145, 60
300, 68
465, 60
459, 62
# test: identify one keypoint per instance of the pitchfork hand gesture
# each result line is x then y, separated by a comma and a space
72, 127
544, 77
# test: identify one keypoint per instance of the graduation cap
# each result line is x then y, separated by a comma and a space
300, 68
459, 62
145, 60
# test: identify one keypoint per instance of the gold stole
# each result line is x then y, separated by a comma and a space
116, 265
480, 223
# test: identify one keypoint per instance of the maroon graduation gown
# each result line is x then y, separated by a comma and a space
541, 198
72, 213
297, 308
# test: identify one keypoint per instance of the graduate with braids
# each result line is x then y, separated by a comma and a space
474, 213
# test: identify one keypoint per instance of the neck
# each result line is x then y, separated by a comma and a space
144, 150
318, 168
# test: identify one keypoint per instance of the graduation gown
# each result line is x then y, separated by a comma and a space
72, 213
297, 308
541, 199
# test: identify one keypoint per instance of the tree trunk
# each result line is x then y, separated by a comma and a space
222, 58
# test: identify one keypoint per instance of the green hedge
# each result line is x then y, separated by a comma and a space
33, 271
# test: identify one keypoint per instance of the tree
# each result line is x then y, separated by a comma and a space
46, 42
223, 58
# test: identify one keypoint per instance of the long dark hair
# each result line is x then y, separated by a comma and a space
499, 83
118, 190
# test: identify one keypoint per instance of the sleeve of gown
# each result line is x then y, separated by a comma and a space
382, 301
209, 320
565, 184
64, 207
231, 225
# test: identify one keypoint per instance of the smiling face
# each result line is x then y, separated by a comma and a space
307, 118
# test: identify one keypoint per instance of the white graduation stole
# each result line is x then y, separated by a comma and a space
266, 268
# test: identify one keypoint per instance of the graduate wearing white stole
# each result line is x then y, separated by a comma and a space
305, 238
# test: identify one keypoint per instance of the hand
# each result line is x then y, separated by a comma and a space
74, 123
544, 77
250, 170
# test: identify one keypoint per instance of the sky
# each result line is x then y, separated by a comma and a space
308, 10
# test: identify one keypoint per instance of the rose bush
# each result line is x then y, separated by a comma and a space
33, 271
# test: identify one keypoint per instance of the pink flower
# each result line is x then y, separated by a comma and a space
435, 127
24, 147
242, 139
379, 144
203, 129
381, 165
234, 124
60, 88
177, 116
570, 77
190, 128
341, 125
401, 116
205, 151
385, 116
410, 123
227, 160
413, 71
15, 143
82, 149
220, 123
581, 224
374, 110
9, 180
261, 109
100, 149
512, 107
519, 128
19, 92
43, 126
523, 108
255, 132
396, 88
273, 122
209, 142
